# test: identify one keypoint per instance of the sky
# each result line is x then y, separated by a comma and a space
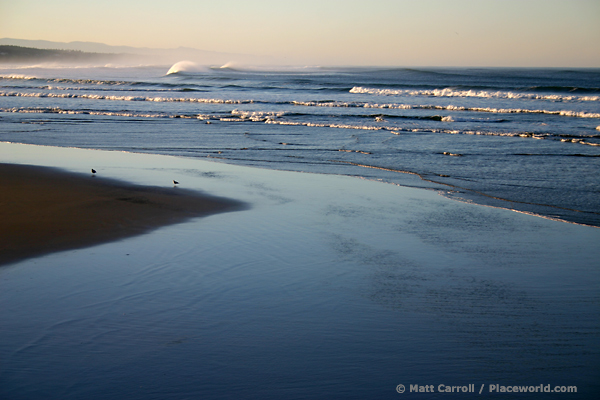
523, 33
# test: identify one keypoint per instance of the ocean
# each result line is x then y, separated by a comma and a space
364, 286
520, 139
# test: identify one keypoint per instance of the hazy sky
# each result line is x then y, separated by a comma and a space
340, 32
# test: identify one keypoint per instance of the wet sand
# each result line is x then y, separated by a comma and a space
44, 210
327, 287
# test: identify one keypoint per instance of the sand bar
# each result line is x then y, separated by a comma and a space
44, 210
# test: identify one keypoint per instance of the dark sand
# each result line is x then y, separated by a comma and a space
44, 210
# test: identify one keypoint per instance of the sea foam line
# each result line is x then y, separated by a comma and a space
56, 110
67, 80
447, 92
258, 116
125, 98
271, 118
565, 113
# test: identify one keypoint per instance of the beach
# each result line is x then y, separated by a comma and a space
320, 286
46, 210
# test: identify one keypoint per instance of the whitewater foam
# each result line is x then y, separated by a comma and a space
18, 77
125, 98
257, 116
448, 92
564, 113
185, 66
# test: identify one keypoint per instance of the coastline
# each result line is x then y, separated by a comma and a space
45, 210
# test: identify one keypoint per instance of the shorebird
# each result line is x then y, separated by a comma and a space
93, 171
175, 183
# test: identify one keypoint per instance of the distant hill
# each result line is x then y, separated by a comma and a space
88, 47
18, 54
134, 54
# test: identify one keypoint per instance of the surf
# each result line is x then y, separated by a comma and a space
449, 92
186, 67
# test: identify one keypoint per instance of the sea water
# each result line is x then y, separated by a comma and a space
522, 139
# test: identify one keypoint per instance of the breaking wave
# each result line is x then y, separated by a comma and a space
273, 117
564, 113
448, 92
70, 80
125, 98
185, 66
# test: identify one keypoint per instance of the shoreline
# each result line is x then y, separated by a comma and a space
45, 210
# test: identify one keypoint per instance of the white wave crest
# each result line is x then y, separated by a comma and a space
185, 66
272, 118
257, 116
18, 77
356, 104
564, 113
56, 110
126, 98
447, 92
